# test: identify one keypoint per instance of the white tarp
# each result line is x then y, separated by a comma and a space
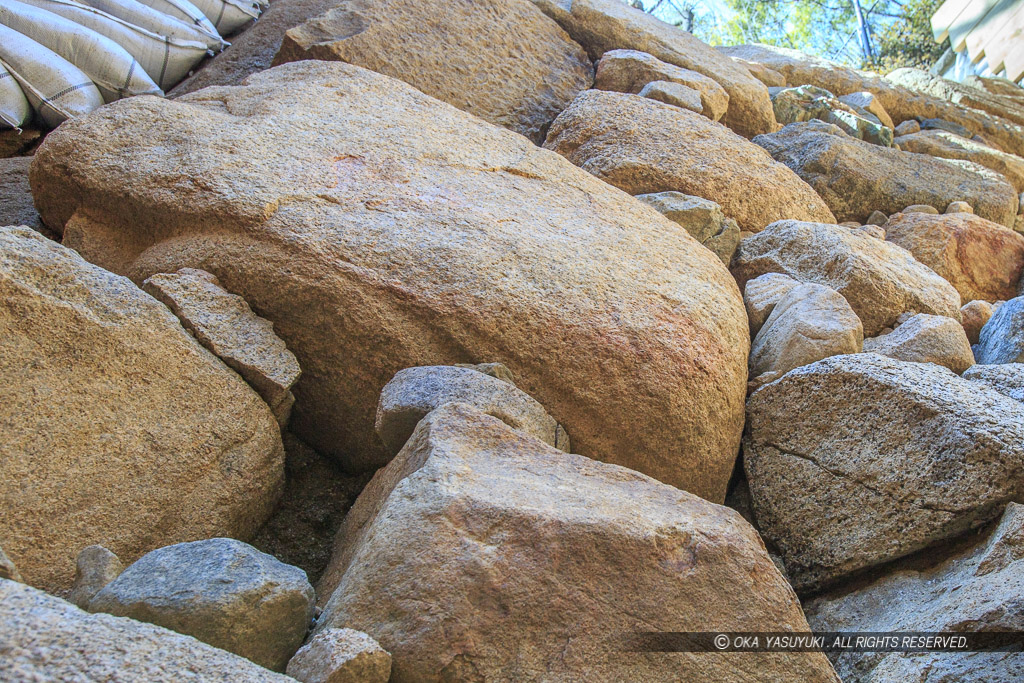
14, 108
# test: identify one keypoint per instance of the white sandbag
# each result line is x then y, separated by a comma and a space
187, 13
57, 89
14, 108
153, 20
111, 68
228, 16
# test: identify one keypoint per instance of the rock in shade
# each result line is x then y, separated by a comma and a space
396, 233
632, 71
809, 323
854, 177
946, 145
673, 93
761, 294
8, 570
1002, 338
926, 339
501, 60
340, 655
44, 638
857, 460
480, 553
703, 219
116, 426
806, 102
982, 259
95, 567
876, 218
974, 315
220, 591
224, 324
16, 206
642, 146
976, 590
414, 392
879, 279
1007, 379
604, 25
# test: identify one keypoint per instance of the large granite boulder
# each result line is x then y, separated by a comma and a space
382, 229
964, 96
116, 426
926, 338
1007, 378
642, 146
502, 60
855, 177
603, 25
1002, 338
857, 460
946, 145
480, 553
880, 280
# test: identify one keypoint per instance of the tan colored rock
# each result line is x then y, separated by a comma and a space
879, 279
224, 324
1007, 378
631, 71
981, 259
869, 103
501, 60
8, 570
95, 567
873, 231
926, 339
47, 639
770, 77
341, 655
674, 94
908, 127
14, 143
857, 460
921, 208
809, 323
118, 427
964, 97
946, 145
395, 234
480, 553
876, 218
974, 314
959, 207
976, 590
762, 293
641, 146
703, 219
604, 25
854, 177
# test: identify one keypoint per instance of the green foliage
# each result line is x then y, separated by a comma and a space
908, 40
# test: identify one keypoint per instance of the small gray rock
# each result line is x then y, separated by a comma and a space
1007, 379
762, 293
220, 591
877, 218
95, 567
908, 127
341, 655
924, 338
1002, 338
959, 207
702, 218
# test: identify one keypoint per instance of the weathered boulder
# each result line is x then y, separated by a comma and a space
396, 233
341, 655
220, 591
44, 638
959, 207
976, 590
501, 60
855, 177
908, 127
940, 143
926, 339
642, 146
807, 102
868, 102
965, 97
857, 460
16, 207
604, 25
673, 93
809, 323
631, 71
974, 315
1007, 379
1002, 338
770, 77
414, 392
703, 219
879, 279
480, 553
95, 567
981, 259
116, 426
224, 324
761, 294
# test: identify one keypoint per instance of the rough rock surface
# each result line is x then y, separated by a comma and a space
860, 459
975, 590
975, 314
480, 553
630, 71
414, 392
341, 655
95, 567
116, 426
703, 219
926, 339
220, 591
642, 146
16, 207
880, 280
8, 570
807, 102
869, 103
1007, 379
981, 259
44, 638
943, 144
603, 25
224, 324
760, 294
1002, 338
854, 177
501, 60
396, 231
964, 96
809, 323
673, 93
